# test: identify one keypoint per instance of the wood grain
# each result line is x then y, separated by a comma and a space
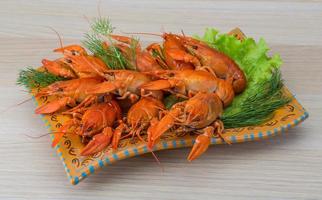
286, 167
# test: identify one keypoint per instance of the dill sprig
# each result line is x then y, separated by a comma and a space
94, 42
267, 96
170, 100
109, 55
160, 55
102, 26
32, 78
132, 50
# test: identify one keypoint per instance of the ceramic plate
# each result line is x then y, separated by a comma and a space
78, 167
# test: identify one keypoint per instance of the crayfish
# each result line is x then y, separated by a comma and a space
94, 122
201, 113
183, 52
186, 83
206, 80
139, 117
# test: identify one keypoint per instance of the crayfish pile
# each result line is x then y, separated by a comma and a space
106, 105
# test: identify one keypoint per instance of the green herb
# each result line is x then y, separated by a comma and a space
132, 50
32, 78
160, 55
259, 105
102, 26
170, 100
94, 42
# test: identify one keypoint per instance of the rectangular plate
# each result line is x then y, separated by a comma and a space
78, 167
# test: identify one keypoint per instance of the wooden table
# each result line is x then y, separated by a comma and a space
286, 167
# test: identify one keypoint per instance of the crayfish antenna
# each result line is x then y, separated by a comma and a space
157, 160
99, 8
69, 48
87, 19
15, 105
183, 33
58, 35
42, 135
142, 33
58, 135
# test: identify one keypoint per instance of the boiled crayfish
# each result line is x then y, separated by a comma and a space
94, 122
183, 52
186, 83
67, 93
76, 63
205, 78
140, 116
202, 111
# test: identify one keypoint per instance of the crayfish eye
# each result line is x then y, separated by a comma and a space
171, 75
89, 129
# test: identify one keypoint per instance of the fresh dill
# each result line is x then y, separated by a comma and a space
32, 78
134, 45
263, 94
160, 56
170, 100
95, 42
102, 26
258, 107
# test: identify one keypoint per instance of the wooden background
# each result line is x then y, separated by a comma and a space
286, 167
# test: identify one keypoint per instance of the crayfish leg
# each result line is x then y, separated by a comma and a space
85, 103
219, 129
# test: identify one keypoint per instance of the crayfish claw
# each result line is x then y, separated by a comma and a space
201, 144
98, 143
158, 128
117, 135
53, 106
153, 123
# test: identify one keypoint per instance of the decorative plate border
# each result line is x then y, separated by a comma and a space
169, 144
